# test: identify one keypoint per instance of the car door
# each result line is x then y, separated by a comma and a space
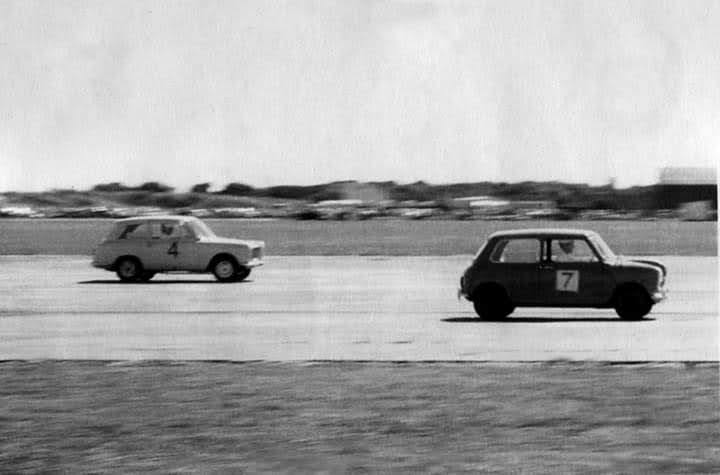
192, 255
514, 263
164, 250
133, 239
573, 274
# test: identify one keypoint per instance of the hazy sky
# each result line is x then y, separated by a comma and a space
301, 92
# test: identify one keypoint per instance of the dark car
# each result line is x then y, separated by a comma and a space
559, 268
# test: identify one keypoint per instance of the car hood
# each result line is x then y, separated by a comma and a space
231, 241
626, 261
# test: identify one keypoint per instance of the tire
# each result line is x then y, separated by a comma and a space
225, 269
129, 269
492, 304
147, 276
632, 303
242, 274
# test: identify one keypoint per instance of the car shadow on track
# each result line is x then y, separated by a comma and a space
162, 282
544, 320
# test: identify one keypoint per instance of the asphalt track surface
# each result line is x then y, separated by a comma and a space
331, 308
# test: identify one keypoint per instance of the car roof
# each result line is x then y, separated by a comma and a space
543, 232
168, 217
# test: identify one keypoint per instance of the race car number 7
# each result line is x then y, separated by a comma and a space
567, 280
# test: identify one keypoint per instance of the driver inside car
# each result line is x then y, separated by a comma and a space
567, 255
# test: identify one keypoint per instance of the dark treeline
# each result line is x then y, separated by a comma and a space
566, 195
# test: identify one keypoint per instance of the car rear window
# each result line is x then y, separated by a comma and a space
167, 230
133, 231
517, 251
571, 250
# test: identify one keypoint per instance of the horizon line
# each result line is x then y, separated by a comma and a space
174, 189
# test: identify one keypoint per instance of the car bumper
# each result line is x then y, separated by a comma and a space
98, 264
659, 296
462, 295
460, 291
254, 263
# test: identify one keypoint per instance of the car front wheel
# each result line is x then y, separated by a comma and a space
632, 303
225, 269
129, 269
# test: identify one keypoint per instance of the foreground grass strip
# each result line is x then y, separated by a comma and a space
339, 417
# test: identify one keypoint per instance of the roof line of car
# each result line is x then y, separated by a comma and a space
156, 218
544, 232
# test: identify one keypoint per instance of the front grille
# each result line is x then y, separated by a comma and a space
257, 253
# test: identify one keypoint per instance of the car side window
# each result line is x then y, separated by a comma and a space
187, 232
134, 231
167, 230
517, 251
571, 250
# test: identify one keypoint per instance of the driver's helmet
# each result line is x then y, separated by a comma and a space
567, 246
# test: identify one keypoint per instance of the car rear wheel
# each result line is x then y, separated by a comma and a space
225, 269
129, 269
632, 303
492, 304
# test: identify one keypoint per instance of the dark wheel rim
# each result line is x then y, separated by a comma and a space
224, 270
127, 269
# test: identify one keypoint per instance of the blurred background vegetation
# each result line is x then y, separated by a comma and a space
351, 199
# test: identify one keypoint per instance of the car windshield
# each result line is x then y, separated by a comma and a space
200, 229
113, 233
477, 254
602, 248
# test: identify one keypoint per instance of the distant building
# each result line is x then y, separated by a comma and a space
482, 205
533, 205
339, 203
365, 192
489, 205
681, 185
480, 202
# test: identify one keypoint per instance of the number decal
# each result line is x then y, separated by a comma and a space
173, 251
567, 280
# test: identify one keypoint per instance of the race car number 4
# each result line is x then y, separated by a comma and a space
567, 280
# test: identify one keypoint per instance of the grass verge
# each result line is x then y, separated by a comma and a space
354, 417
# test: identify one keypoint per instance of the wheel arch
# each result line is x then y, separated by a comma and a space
489, 286
630, 285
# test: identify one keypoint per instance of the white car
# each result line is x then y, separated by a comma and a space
138, 248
